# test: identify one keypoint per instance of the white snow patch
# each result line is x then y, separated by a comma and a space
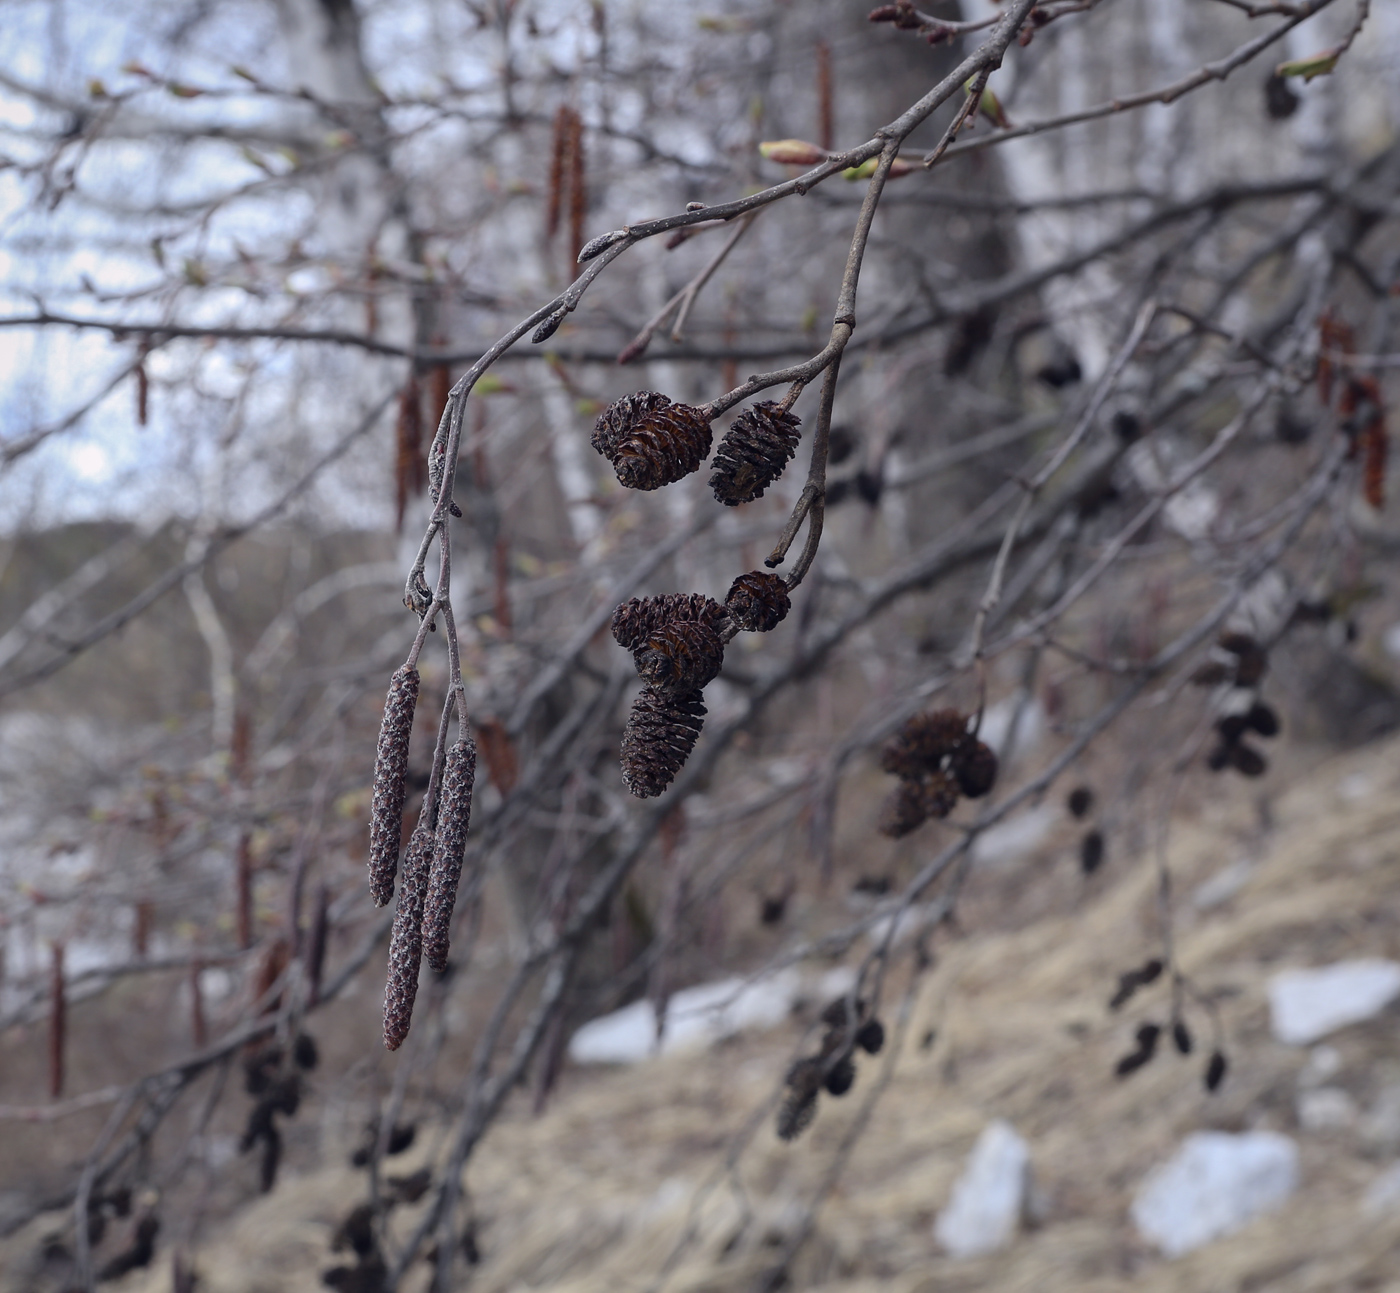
909, 922
1223, 885
1326, 1108
1030, 721
695, 1017
1309, 1004
989, 1198
1013, 839
1215, 1184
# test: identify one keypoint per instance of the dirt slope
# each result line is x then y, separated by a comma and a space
592, 1196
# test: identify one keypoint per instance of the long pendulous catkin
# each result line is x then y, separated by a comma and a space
406, 942
454, 816
390, 772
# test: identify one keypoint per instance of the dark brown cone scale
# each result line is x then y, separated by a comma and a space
390, 771
639, 617
661, 732
454, 817
913, 802
754, 452
923, 742
975, 767
650, 441
680, 657
758, 601
406, 941
903, 810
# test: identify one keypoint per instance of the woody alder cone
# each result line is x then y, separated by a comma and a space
914, 802
681, 657
758, 601
406, 941
650, 441
454, 816
975, 767
753, 453
661, 732
923, 742
639, 617
390, 769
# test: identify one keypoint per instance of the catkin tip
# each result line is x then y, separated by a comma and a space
406, 941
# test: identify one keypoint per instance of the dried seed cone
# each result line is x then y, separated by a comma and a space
796, 1114
390, 770
871, 1037
914, 802
406, 941
753, 453
923, 742
758, 601
661, 732
799, 1107
940, 794
650, 441
975, 766
681, 657
903, 811
841, 1077
639, 617
454, 816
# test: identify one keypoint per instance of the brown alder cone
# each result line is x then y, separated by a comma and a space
454, 817
660, 734
650, 441
913, 802
390, 769
799, 1107
406, 941
975, 767
1251, 658
754, 452
758, 601
639, 617
923, 742
680, 657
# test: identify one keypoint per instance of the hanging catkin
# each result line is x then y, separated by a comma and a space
454, 816
650, 441
406, 941
390, 772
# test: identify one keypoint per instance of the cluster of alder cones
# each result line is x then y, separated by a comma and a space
1240, 662
432, 862
677, 640
936, 760
832, 1069
677, 643
652, 442
1148, 1034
